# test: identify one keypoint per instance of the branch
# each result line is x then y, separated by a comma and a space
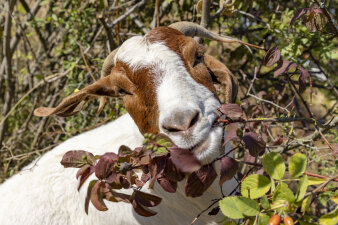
318, 189
127, 13
40, 36
48, 79
276, 120
157, 13
16, 39
139, 23
9, 77
310, 113
314, 136
318, 176
205, 13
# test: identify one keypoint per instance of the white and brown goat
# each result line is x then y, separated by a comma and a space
167, 83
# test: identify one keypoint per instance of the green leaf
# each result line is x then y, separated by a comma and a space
274, 165
297, 164
306, 204
255, 186
315, 180
303, 184
329, 219
263, 219
265, 202
238, 207
283, 192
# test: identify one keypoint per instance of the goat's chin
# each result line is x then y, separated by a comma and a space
209, 149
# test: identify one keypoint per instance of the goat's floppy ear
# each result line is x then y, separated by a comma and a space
221, 74
75, 102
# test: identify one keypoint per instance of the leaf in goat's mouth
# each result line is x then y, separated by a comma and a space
184, 160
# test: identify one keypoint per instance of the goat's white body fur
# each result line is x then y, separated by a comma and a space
46, 193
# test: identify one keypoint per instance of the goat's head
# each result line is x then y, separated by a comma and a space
167, 84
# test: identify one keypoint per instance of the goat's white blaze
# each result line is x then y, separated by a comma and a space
177, 91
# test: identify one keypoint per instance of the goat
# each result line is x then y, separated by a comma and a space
168, 86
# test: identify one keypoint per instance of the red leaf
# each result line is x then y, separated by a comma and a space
157, 165
254, 143
167, 185
76, 158
124, 150
272, 56
315, 19
85, 175
231, 132
96, 197
89, 191
142, 210
232, 111
112, 177
104, 167
82, 170
304, 74
120, 197
298, 15
283, 67
171, 172
184, 160
111, 155
146, 199
198, 182
228, 170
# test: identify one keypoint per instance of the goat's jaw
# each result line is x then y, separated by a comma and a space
209, 149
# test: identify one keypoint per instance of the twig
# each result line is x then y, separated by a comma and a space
205, 20
48, 79
318, 189
310, 113
312, 137
138, 23
17, 37
40, 36
269, 102
332, 86
111, 41
127, 13
318, 176
157, 13
275, 120
85, 61
9, 77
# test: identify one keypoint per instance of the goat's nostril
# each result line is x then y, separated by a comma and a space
172, 130
194, 120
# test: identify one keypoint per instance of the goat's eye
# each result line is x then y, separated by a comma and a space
124, 92
198, 59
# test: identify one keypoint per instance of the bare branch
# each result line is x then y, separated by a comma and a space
9, 77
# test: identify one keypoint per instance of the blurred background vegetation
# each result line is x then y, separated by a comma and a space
51, 48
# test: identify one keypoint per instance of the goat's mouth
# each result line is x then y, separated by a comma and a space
209, 148
201, 146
